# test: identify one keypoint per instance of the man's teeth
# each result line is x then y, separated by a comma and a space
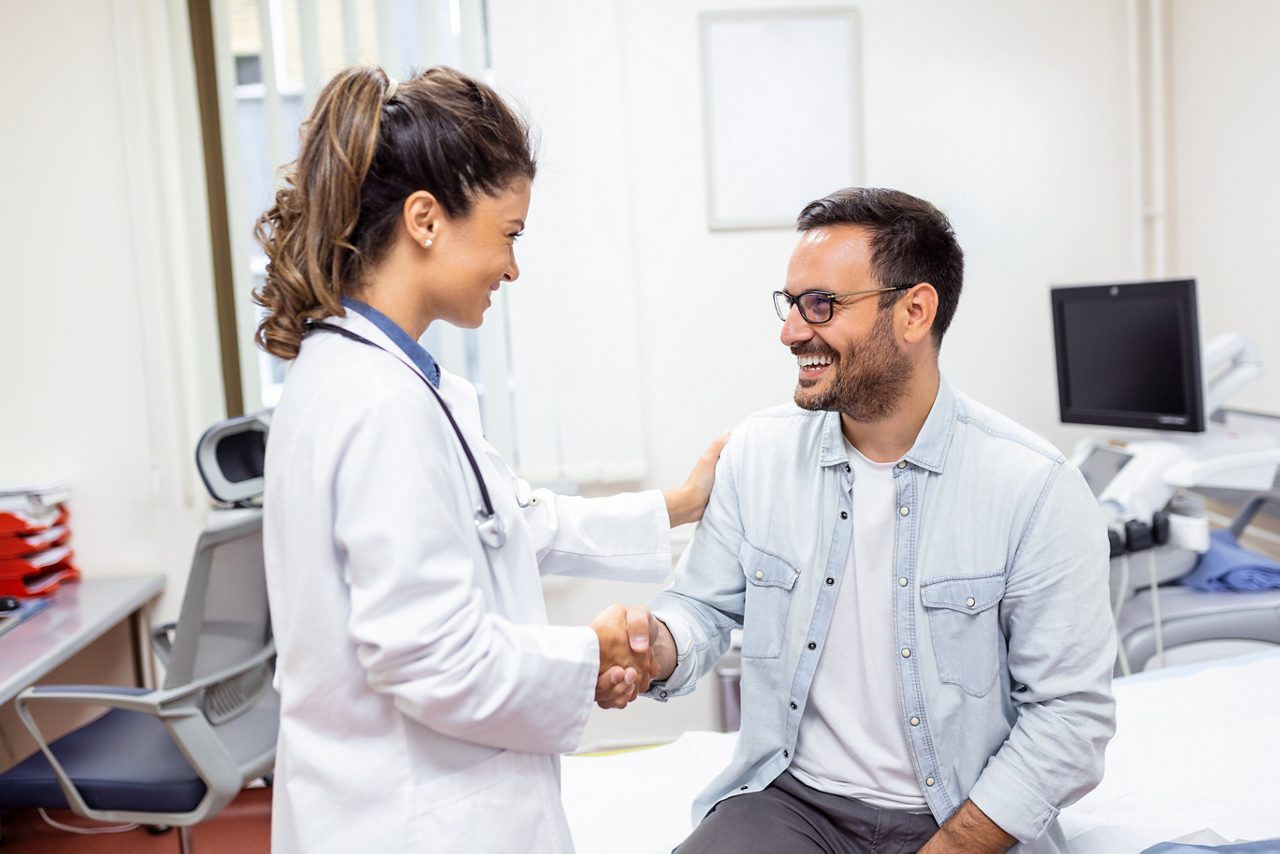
813, 361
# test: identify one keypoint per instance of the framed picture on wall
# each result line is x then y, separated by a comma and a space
782, 105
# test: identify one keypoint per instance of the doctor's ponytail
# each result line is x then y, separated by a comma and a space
366, 146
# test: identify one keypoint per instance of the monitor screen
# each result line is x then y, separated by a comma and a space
1101, 467
1129, 355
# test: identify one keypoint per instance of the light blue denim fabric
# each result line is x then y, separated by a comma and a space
1003, 638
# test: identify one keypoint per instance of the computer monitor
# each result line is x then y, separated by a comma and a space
1129, 355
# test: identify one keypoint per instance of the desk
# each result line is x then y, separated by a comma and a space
83, 614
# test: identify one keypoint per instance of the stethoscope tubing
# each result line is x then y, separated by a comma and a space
488, 523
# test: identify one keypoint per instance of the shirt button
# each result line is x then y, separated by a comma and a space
970, 602
759, 573
915, 721
902, 464
902, 582
847, 469
786, 754
662, 695
906, 653
793, 706
904, 510
812, 645
831, 581
929, 781
844, 515
742, 788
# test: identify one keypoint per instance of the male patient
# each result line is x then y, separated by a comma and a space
921, 582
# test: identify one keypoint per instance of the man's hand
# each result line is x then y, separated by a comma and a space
686, 502
626, 661
969, 831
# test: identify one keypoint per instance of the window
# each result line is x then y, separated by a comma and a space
272, 57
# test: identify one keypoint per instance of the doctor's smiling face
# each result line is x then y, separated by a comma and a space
851, 363
471, 257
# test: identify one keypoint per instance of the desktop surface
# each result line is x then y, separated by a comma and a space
78, 614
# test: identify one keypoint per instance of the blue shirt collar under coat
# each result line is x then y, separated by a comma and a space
415, 351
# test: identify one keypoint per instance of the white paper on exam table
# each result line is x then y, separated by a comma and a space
604, 794
1195, 750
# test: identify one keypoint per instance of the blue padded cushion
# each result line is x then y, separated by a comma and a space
122, 761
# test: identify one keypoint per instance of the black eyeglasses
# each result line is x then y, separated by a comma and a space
817, 306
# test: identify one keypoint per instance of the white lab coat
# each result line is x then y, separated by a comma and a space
424, 698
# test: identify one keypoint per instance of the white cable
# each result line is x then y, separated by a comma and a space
1121, 596
86, 831
1155, 611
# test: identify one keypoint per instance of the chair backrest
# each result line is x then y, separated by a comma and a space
231, 456
224, 619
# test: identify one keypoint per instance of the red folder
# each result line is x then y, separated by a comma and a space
29, 545
20, 523
39, 585
25, 567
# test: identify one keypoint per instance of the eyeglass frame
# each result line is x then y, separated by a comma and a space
834, 298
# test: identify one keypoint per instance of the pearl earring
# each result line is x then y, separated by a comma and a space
426, 244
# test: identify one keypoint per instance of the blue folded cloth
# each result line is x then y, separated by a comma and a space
1264, 846
1228, 566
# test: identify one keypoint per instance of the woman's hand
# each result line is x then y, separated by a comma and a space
626, 660
686, 502
618, 684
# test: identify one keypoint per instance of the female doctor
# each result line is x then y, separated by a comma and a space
424, 699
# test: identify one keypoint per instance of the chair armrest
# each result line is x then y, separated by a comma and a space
143, 700
187, 726
160, 702
264, 655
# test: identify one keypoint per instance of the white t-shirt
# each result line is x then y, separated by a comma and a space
850, 741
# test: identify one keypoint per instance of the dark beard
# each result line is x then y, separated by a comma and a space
871, 378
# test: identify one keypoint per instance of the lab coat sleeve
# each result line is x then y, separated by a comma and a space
624, 537
1057, 596
422, 630
707, 597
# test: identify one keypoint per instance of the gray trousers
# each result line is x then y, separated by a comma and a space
788, 817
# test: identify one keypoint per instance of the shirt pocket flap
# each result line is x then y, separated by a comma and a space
765, 569
966, 595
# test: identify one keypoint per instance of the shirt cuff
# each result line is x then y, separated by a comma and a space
663, 521
1007, 801
681, 681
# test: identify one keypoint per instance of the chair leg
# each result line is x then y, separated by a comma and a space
186, 843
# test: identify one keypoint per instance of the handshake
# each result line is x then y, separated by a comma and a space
635, 649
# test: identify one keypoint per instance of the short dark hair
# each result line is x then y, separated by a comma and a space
911, 241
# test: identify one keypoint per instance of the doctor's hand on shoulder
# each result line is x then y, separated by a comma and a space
644, 651
686, 502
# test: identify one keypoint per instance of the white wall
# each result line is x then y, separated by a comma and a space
1225, 172
1012, 117
106, 326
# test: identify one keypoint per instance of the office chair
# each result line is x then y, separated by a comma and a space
179, 754
1190, 616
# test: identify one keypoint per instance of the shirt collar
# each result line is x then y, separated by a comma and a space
931, 445
415, 351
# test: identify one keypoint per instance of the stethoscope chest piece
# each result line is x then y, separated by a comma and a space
490, 528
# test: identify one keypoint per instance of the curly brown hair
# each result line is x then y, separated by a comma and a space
362, 154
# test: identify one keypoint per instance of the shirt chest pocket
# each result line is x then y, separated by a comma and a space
769, 582
964, 626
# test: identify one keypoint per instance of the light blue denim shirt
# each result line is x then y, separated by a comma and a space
1003, 639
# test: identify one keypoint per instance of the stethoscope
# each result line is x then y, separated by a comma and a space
488, 524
